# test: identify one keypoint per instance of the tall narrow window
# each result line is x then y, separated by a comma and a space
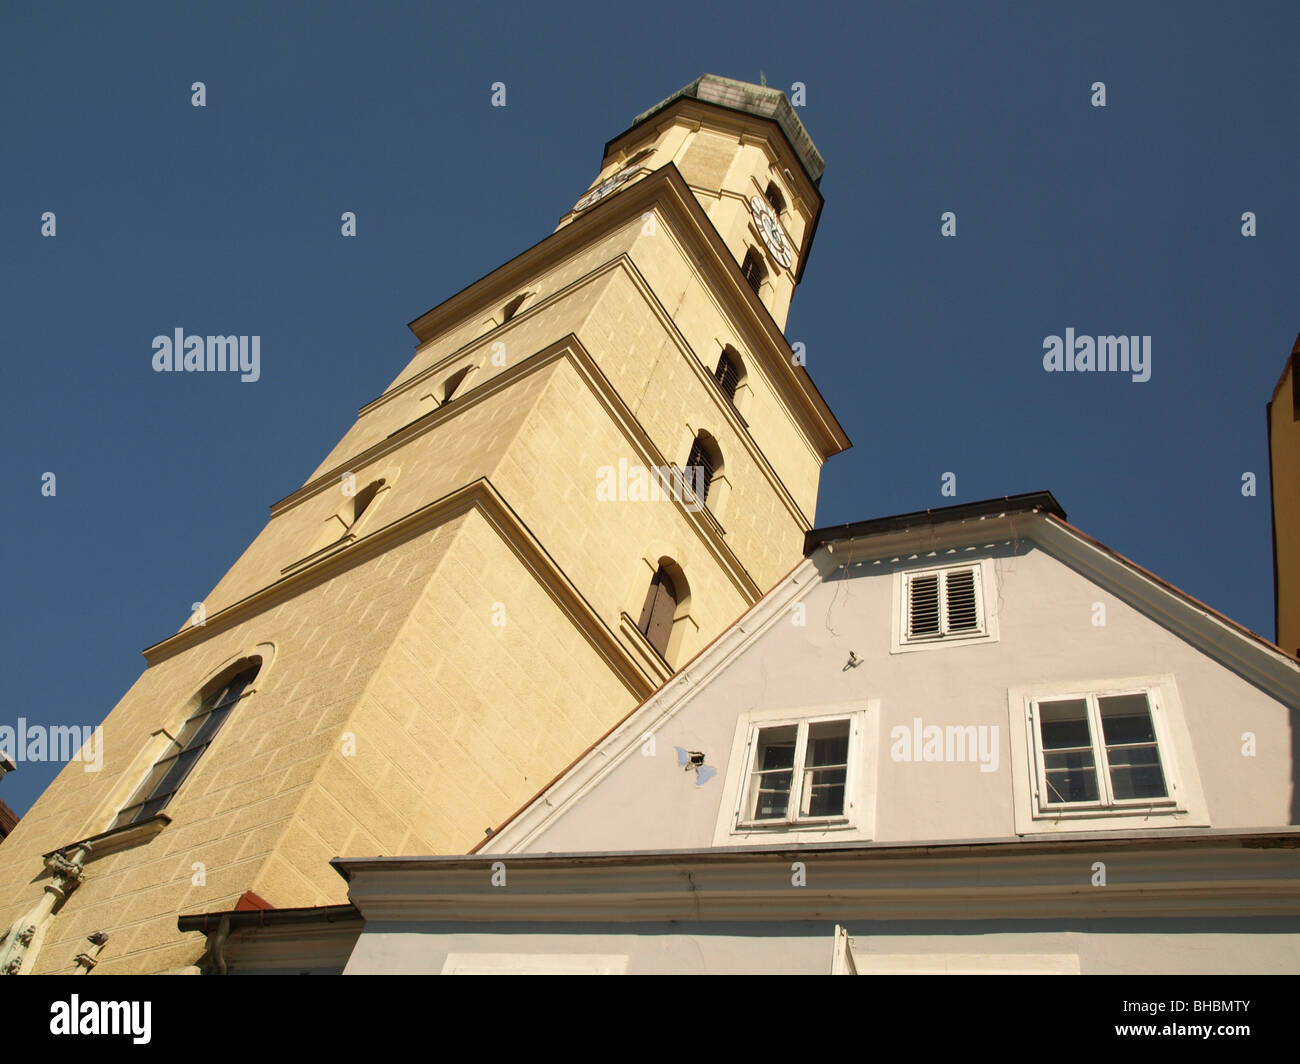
345, 520
195, 736
703, 465
728, 374
656, 622
452, 383
361, 501
699, 468
512, 308
774, 197
753, 269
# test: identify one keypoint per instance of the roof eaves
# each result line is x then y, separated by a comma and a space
1028, 502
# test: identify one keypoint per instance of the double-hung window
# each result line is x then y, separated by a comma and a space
1099, 751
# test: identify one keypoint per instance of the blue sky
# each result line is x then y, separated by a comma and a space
1124, 219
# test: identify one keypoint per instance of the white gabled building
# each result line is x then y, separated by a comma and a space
969, 739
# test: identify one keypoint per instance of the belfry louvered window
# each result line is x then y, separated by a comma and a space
700, 467
728, 376
944, 603
753, 269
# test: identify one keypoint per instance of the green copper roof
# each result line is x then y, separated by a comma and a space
755, 100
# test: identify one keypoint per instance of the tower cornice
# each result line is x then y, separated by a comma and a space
755, 326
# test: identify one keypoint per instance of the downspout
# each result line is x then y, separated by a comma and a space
217, 944
65, 876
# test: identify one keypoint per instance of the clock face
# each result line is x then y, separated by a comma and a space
606, 187
773, 235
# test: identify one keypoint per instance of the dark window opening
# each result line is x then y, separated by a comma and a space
512, 308
728, 376
753, 269
706, 463
454, 382
774, 197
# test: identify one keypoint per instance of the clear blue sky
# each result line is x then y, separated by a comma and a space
225, 220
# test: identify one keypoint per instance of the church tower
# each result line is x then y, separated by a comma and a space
599, 456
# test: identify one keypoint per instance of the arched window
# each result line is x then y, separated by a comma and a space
660, 608
344, 521
774, 197
728, 374
453, 382
194, 737
512, 308
361, 501
753, 269
703, 465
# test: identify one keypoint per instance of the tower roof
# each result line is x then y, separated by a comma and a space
758, 100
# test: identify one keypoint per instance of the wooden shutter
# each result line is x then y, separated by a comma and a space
923, 605
963, 609
700, 459
657, 615
753, 269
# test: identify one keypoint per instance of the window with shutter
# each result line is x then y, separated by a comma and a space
923, 606
728, 376
703, 461
942, 605
774, 197
963, 613
753, 269
656, 622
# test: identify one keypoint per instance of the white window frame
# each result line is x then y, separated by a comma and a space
858, 819
900, 642
1035, 813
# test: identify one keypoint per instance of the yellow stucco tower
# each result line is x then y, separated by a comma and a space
1284, 489
600, 455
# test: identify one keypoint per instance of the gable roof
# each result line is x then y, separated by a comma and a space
1036, 516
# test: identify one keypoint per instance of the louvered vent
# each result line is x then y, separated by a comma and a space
963, 610
700, 459
727, 376
753, 269
923, 605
